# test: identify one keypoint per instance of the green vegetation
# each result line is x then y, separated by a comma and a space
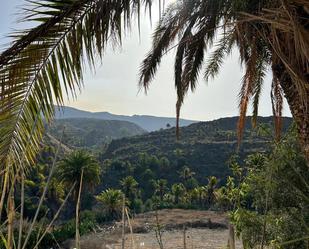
112, 200
273, 174
268, 197
92, 133
80, 170
203, 148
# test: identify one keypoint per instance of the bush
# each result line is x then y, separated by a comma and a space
67, 231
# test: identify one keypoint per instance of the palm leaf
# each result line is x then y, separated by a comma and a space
48, 59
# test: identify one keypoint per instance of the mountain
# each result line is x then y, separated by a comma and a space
205, 147
149, 123
92, 133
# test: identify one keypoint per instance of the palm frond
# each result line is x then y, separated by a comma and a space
257, 91
277, 106
49, 58
223, 48
163, 37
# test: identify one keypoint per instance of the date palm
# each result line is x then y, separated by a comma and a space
81, 169
71, 167
178, 190
186, 173
160, 187
129, 187
112, 200
268, 35
211, 187
46, 62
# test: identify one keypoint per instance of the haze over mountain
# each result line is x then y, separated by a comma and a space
149, 123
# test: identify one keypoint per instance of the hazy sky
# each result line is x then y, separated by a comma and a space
113, 87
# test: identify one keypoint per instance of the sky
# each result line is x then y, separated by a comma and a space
114, 85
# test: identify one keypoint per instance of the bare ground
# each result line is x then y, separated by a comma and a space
204, 230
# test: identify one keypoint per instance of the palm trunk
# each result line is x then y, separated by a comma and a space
4, 190
77, 235
11, 212
298, 103
21, 218
123, 223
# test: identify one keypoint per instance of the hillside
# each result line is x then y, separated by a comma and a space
92, 133
149, 123
205, 147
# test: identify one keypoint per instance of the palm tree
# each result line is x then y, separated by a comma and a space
71, 167
129, 187
178, 189
112, 200
81, 169
160, 187
186, 173
268, 34
201, 194
211, 187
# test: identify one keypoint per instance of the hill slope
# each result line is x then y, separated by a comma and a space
149, 123
92, 133
205, 147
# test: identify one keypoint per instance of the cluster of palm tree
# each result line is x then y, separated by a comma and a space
182, 194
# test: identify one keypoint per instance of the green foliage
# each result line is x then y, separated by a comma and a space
178, 190
112, 202
160, 188
71, 167
203, 147
268, 197
92, 133
66, 231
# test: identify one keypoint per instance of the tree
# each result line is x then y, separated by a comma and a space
268, 34
269, 202
70, 169
160, 187
186, 173
178, 189
112, 200
211, 187
202, 194
81, 169
129, 187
